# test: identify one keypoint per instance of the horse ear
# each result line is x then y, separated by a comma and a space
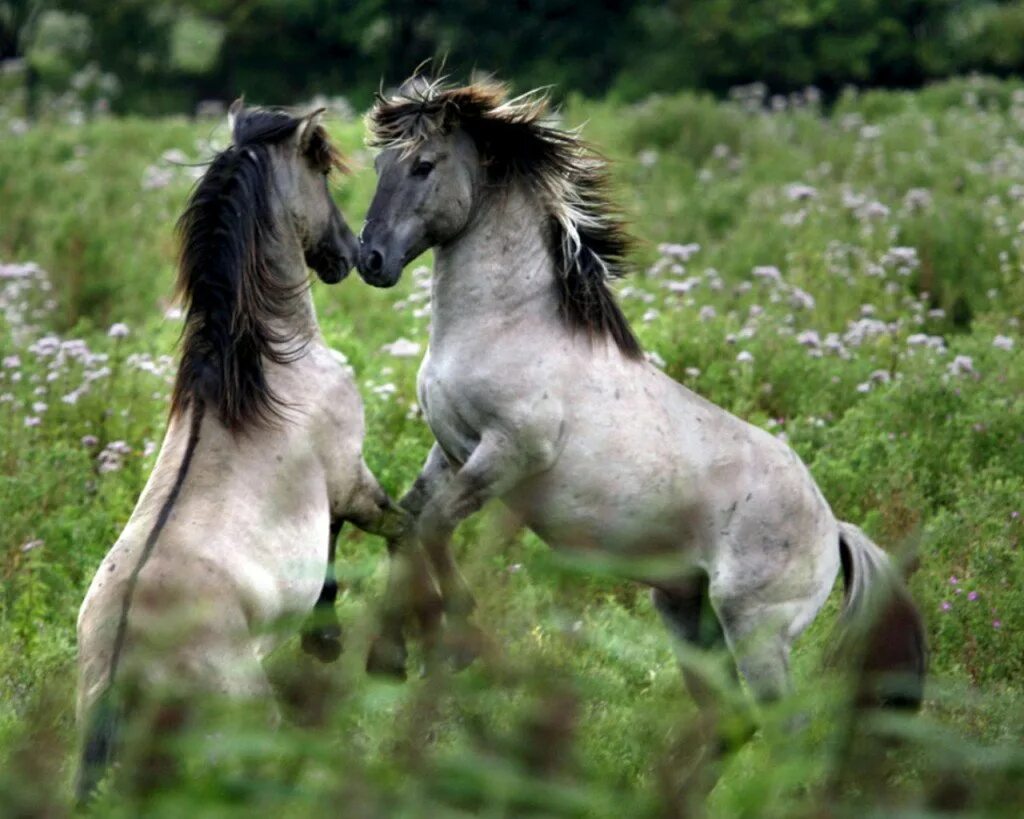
233, 111
307, 128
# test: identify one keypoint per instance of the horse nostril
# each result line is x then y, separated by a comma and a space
374, 261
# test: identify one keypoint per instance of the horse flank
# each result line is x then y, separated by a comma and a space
518, 141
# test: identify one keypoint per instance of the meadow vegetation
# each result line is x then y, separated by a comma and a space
851, 280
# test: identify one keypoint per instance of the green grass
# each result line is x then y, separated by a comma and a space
926, 453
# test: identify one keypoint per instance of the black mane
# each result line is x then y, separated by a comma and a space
588, 236
230, 294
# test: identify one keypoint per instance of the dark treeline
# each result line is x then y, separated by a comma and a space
158, 56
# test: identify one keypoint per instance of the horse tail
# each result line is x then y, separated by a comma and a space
102, 729
882, 630
104, 718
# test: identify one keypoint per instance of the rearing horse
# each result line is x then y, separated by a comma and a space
537, 393
262, 459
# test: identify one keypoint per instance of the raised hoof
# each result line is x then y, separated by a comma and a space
322, 640
386, 659
462, 645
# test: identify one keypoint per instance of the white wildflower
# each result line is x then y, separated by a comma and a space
1001, 342
402, 348
809, 338
962, 365
799, 192
655, 359
768, 272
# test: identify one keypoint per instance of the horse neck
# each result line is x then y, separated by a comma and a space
498, 272
286, 263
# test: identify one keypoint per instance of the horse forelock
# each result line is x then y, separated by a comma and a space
518, 139
231, 294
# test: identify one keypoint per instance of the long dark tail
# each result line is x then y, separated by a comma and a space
102, 723
882, 628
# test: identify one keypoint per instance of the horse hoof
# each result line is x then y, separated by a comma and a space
462, 645
323, 642
386, 659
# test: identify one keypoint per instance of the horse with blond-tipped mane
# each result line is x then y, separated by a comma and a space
538, 394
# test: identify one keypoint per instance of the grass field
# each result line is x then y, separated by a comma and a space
853, 282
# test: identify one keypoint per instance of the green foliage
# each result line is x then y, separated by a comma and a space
171, 54
880, 334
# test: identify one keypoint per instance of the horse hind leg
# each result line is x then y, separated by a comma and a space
696, 762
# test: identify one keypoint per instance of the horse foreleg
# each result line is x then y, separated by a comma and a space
410, 592
321, 633
489, 472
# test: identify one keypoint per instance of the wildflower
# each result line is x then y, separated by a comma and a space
154, 178
655, 359
384, 390
768, 272
870, 132
90, 441
744, 357
32, 421
946, 605
172, 313
997, 624
647, 158
864, 386
953, 580
174, 156
937, 312
1002, 343
901, 258
684, 286
707, 312
118, 330
798, 192
962, 365
692, 372
917, 199
12, 361
649, 316
402, 348
801, 299
873, 210
972, 596
39, 408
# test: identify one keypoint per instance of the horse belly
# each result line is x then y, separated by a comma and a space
648, 528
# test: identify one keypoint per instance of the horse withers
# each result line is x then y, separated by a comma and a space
229, 543
538, 394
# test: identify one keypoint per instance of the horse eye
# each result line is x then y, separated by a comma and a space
422, 168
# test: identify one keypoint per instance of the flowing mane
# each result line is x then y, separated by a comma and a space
229, 291
517, 139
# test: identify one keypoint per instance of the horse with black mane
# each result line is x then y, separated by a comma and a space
261, 464
538, 394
